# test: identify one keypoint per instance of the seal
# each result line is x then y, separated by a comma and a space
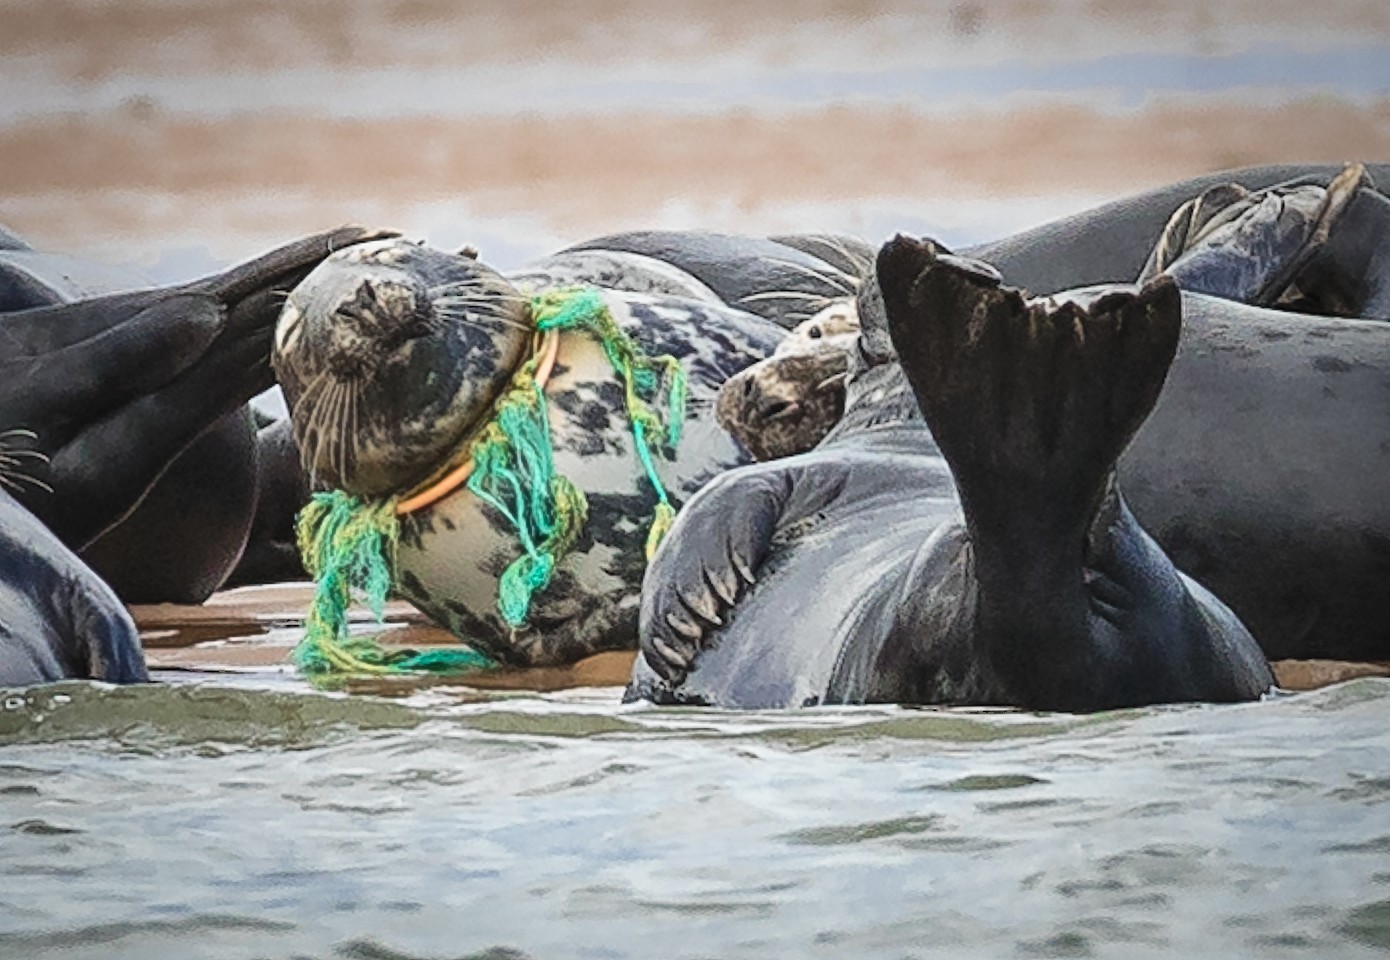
392, 358
785, 280
788, 403
118, 388
989, 560
1257, 471
58, 620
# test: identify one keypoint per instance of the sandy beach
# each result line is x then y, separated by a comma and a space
174, 135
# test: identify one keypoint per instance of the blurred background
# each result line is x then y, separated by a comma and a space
177, 134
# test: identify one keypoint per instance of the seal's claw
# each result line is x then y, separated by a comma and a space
703, 568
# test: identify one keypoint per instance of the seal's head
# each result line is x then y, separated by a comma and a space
788, 402
390, 354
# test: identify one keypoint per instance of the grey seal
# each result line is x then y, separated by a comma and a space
392, 356
989, 560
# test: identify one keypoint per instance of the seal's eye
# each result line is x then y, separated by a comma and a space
814, 333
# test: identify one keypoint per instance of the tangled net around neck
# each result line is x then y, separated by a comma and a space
349, 544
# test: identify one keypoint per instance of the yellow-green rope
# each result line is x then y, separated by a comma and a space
350, 545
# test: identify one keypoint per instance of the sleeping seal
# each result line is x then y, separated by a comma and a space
989, 560
393, 356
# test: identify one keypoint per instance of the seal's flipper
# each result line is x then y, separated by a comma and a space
107, 351
1192, 221
287, 265
1031, 403
103, 472
1348, 275
1250, 247
708, 560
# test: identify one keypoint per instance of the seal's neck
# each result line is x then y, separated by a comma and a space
454, 475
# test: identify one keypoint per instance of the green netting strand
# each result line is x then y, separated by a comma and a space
349, 544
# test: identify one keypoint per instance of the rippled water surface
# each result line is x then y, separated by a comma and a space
191, 820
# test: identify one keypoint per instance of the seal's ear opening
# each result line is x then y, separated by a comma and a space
390, 355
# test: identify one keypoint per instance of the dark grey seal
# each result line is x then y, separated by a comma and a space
58, 620
1259, 470
136, 400
990, 560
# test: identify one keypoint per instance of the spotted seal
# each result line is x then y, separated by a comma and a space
135, 399
788, 402
989, 560
391, 356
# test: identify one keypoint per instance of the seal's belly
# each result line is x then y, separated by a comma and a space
453, 554
830, 582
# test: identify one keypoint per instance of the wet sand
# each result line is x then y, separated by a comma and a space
253, 629
128, 186
135, 129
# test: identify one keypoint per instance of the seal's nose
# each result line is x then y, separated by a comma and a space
381, 307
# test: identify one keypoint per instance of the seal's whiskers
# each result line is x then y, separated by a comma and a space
13, 461
473, 315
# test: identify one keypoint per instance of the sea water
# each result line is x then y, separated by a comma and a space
194, 819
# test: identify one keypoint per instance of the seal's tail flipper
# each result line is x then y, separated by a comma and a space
1251, 247
1030, 401
282, 263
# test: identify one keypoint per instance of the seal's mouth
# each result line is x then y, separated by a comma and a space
390, 356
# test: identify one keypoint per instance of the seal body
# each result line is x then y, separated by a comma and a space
988, 560
57, 618
455, 366
1257, 470
137, 396
785, 280
452, 553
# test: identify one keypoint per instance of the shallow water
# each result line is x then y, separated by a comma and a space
190, 820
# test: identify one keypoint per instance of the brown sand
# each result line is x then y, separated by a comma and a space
255, 628
69, 181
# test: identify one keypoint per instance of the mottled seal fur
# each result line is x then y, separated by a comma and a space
788, 402
989, 560
784, 279
386, 386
